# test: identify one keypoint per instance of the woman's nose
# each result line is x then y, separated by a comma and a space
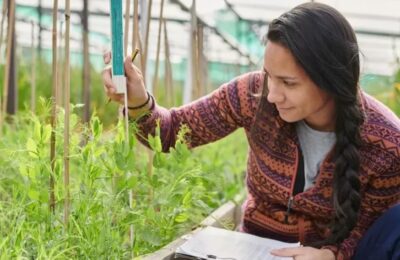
274, 94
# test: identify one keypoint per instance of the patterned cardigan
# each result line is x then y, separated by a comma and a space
274, 157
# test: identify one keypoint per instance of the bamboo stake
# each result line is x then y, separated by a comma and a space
33, 70
61, 67
130, 195
3, 17
146, 43
126, 33
144, 67
200, 62
194, 48
168, 69
86, 64
135, 25
155, 78
8, 56
53, 119
67, 111
8, 63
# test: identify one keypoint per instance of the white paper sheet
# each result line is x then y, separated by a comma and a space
215, 243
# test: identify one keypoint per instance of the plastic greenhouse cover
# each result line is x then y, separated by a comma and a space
368, 17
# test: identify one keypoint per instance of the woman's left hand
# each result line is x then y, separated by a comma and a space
304, 253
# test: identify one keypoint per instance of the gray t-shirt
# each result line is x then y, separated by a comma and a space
315, 145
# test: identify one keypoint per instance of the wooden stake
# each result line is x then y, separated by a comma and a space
194, 47
168, 70
66, 116
86, 63
135, 25
8, 64
155, 78
53, 119
33, 69
3, 17
60, 66
146, 43
200, 62
126, 32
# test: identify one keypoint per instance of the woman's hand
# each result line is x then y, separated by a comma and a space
304, 253
135, 84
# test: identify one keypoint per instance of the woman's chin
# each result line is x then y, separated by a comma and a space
288, 118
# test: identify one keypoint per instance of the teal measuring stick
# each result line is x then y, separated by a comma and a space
117, 46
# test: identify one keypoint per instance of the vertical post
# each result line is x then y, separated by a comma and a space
168, 69
33, 70
66, 116
126, 32
191, 80
155, 78
60, 66
3, 18
53, 119
146, 41
200, 78
135, 23
40, 12
86, 62
9, 88
10, 106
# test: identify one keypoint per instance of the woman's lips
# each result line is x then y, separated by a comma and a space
284, 108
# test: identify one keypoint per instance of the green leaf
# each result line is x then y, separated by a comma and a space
187, 199
46, 133
37, 135
33, 194
155, 143
97, 127
132, 182
85, 153
23, 170
31, 146
181, 217
159, 160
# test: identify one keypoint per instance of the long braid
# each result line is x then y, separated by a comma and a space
346, 184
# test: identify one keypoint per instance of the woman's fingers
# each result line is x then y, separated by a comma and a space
107, 57
109, 87
130, 70
107, 80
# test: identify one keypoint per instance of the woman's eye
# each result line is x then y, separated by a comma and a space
289, 84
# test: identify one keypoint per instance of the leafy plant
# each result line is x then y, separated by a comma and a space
186, 186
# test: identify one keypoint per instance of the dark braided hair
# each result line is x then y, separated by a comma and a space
325, 46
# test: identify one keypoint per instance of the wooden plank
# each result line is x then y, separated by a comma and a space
228, 212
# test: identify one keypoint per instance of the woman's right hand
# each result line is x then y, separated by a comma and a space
136, 89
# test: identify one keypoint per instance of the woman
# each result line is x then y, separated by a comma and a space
324, 159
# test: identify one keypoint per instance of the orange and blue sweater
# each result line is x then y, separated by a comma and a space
273, 162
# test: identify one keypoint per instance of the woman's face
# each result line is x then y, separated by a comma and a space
294, 94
